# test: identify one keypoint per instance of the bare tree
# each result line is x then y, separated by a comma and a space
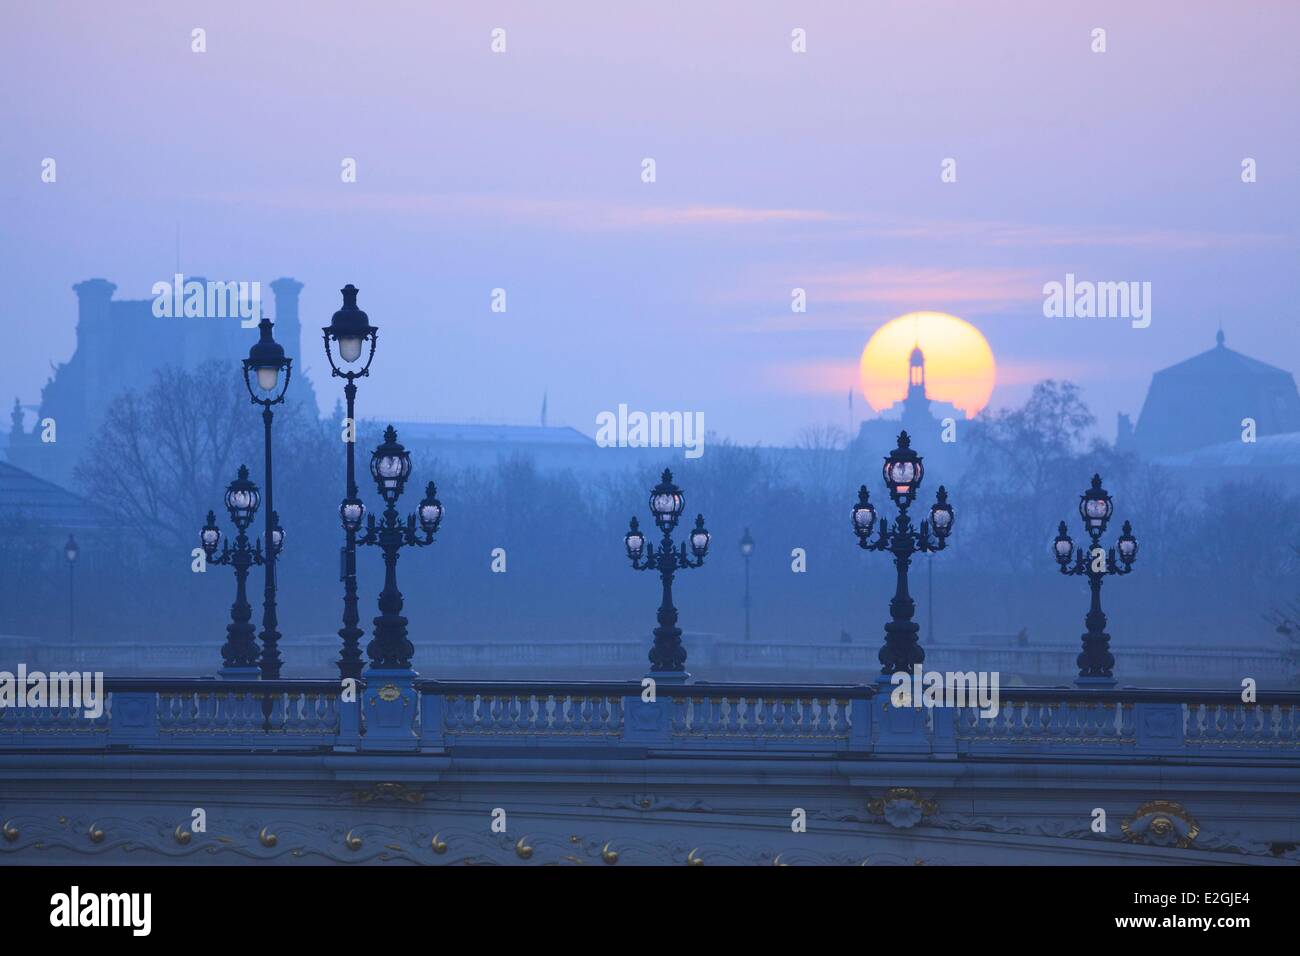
1286, 620
1022, 462
820, 461
162, 457
1157, 504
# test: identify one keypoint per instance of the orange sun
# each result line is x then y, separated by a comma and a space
959, 366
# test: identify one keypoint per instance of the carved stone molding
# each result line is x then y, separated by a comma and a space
644, 802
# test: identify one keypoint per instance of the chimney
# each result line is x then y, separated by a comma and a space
93, 298
288, 332
288, 329
94, 332
1123, 432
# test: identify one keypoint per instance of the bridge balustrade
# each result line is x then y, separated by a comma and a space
843, 720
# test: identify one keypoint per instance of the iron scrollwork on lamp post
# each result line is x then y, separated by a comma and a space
667, 656
390, 464
903, 471
239, 653
1096, 663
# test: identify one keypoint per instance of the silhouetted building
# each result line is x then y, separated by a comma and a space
45, 510
1204, 400
551, 448
120, 345
1274, 459
919, 415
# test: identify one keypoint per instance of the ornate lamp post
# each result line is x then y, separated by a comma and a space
746, 549
71, 550
902, 472
239, 653
1095, 507
668, 656
390, 464
266, 376
350, 330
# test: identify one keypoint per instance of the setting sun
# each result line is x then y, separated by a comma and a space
959, 365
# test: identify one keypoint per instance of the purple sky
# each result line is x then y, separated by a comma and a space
522, 170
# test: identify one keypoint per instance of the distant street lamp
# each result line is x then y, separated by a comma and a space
668, 656
239, 653
71, 550
1095, 508
266, 375
390, 465
746, 549
903, 471
350, 330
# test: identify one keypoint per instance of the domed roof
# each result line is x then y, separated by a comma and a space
1203, 400
1222, 360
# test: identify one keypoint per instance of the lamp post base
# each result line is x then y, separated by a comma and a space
389, 705
669, 677
1098, 683
251, 672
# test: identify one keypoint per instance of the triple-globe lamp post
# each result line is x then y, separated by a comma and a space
390, 465
667, 656
903, 472
242, 499
1096, 663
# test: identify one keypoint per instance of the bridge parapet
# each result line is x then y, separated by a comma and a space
682, 717
841, 719
416, 771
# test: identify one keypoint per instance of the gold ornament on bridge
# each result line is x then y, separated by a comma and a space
388, 791
902, 807
267, 838
1161, 823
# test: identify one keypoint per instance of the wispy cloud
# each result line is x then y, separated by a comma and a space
988, 232
573, 214
586, 214
910, 285
828, 377
863, 298
1031, 372
838, 377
